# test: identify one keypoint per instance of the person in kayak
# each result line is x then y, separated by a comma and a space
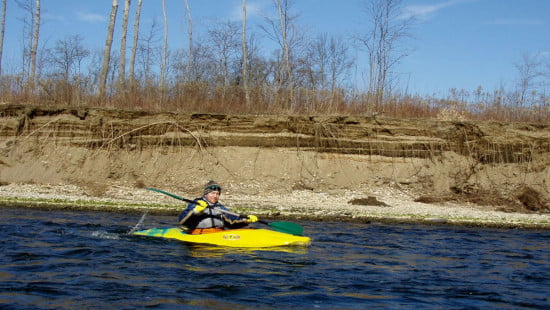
205, 214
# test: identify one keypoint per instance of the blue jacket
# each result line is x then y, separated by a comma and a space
210, 217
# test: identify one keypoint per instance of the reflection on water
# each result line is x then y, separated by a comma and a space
200, 250
80, 260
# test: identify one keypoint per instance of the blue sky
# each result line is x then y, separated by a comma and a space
459, 44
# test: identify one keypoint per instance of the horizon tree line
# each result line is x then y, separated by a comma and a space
225, 69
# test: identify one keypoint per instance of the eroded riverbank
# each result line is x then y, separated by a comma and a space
343, 168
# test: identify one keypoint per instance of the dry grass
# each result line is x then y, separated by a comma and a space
202, 97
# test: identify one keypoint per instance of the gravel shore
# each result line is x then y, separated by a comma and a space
391, 206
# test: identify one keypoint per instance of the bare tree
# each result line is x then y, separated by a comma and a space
201, 64
284, 32
135, 41
2, 31
245, 57
34, 45
26, 33
107, 50
190, 44
147, 49
285, 73
122, 69
224, 40
258, 66
65, 84
68, 54
328, 61
529, 70
340, 62
388, 29
317, 62
165, 47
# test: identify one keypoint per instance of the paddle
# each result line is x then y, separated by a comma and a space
286, 227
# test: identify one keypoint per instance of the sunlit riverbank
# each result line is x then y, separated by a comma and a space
319, 207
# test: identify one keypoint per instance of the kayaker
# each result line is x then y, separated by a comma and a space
206, 214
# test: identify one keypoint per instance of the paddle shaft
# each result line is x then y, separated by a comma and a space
171, 195
286, 227
191, 201
237, 214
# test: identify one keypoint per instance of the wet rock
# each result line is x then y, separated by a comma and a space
531, 199
369, 201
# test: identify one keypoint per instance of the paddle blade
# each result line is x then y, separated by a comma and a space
287, 227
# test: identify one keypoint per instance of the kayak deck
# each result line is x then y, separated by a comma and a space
245, 238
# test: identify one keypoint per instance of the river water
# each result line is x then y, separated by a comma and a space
86, 260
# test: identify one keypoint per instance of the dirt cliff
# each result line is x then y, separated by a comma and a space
499, 165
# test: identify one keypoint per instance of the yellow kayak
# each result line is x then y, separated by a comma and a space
243, 238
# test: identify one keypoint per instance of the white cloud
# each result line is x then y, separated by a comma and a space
91, 17
424, 12
53, 17
252, 10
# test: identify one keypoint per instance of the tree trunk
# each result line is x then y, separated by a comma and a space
165, 48
122, 69
387, 29
34, 47
190, 48
245, 58
2, 31
135, 42
107, 51
286, 74
529, 71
